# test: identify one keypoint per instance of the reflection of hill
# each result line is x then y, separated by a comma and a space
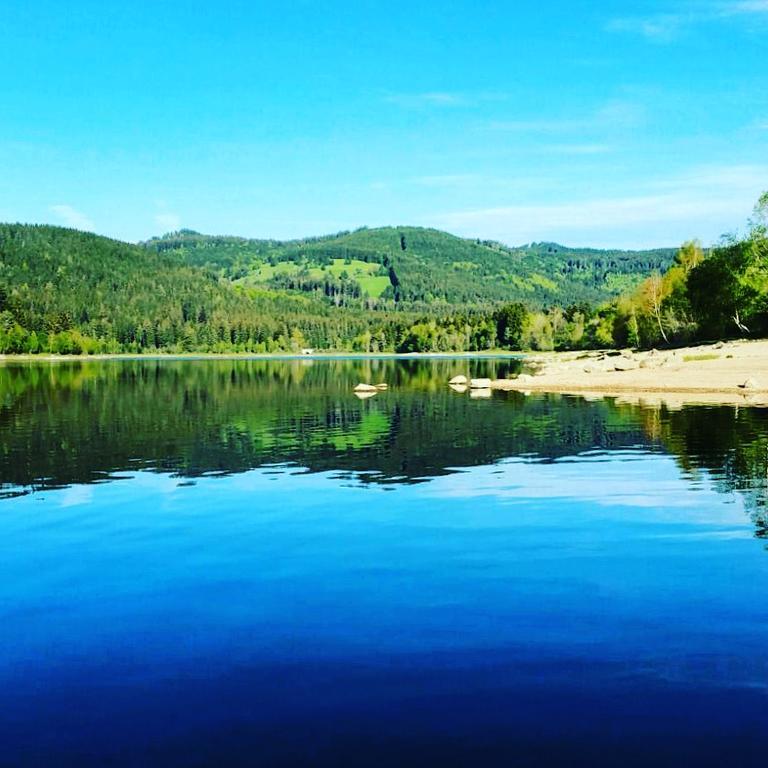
80, 422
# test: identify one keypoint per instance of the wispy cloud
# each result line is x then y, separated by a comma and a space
447, 180
428, 99
577, 149
668, 27
168, 222
71, 217
617, 113
165, 218
443, 99
701, 203
661, 28
747, 6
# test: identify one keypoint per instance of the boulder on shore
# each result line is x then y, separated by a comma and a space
623, 364
461, 379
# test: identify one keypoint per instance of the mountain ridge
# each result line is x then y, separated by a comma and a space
409, 289
424, 265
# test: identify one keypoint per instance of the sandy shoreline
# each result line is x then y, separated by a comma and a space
714, 373
707, 374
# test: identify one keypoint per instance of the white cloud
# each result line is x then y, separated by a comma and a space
576, 149
667, 27
443, 99
703, 203
428, 99
168, 222
661, 28
71, 217
747, 6
618, 113
447, 180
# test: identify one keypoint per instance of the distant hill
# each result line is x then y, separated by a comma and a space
76, 291
419, 266
404, 289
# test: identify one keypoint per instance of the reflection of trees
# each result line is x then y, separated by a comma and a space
79, 422
729, 444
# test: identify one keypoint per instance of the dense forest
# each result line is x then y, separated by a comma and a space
418, 268
382, 290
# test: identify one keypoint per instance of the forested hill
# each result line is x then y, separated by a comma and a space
406, 289
415, 266
68, 292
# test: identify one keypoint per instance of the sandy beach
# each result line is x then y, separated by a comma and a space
733, 372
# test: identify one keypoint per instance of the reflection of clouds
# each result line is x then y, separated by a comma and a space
76, 495
618, 487
154, 481
649, 482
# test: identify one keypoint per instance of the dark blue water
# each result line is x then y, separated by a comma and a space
239, 563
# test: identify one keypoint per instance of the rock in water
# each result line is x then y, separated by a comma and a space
365, 388
480, 383
458, 380
382, 386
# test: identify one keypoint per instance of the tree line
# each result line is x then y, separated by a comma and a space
67, 292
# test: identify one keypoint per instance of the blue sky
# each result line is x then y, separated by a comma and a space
591, 123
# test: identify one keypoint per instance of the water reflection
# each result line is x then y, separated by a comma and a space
240, 562
84, 422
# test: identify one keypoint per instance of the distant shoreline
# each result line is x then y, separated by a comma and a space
48, 358
710, 374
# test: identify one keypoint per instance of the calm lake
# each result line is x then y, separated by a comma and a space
241, 563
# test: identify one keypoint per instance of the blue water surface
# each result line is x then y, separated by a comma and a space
420, 578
